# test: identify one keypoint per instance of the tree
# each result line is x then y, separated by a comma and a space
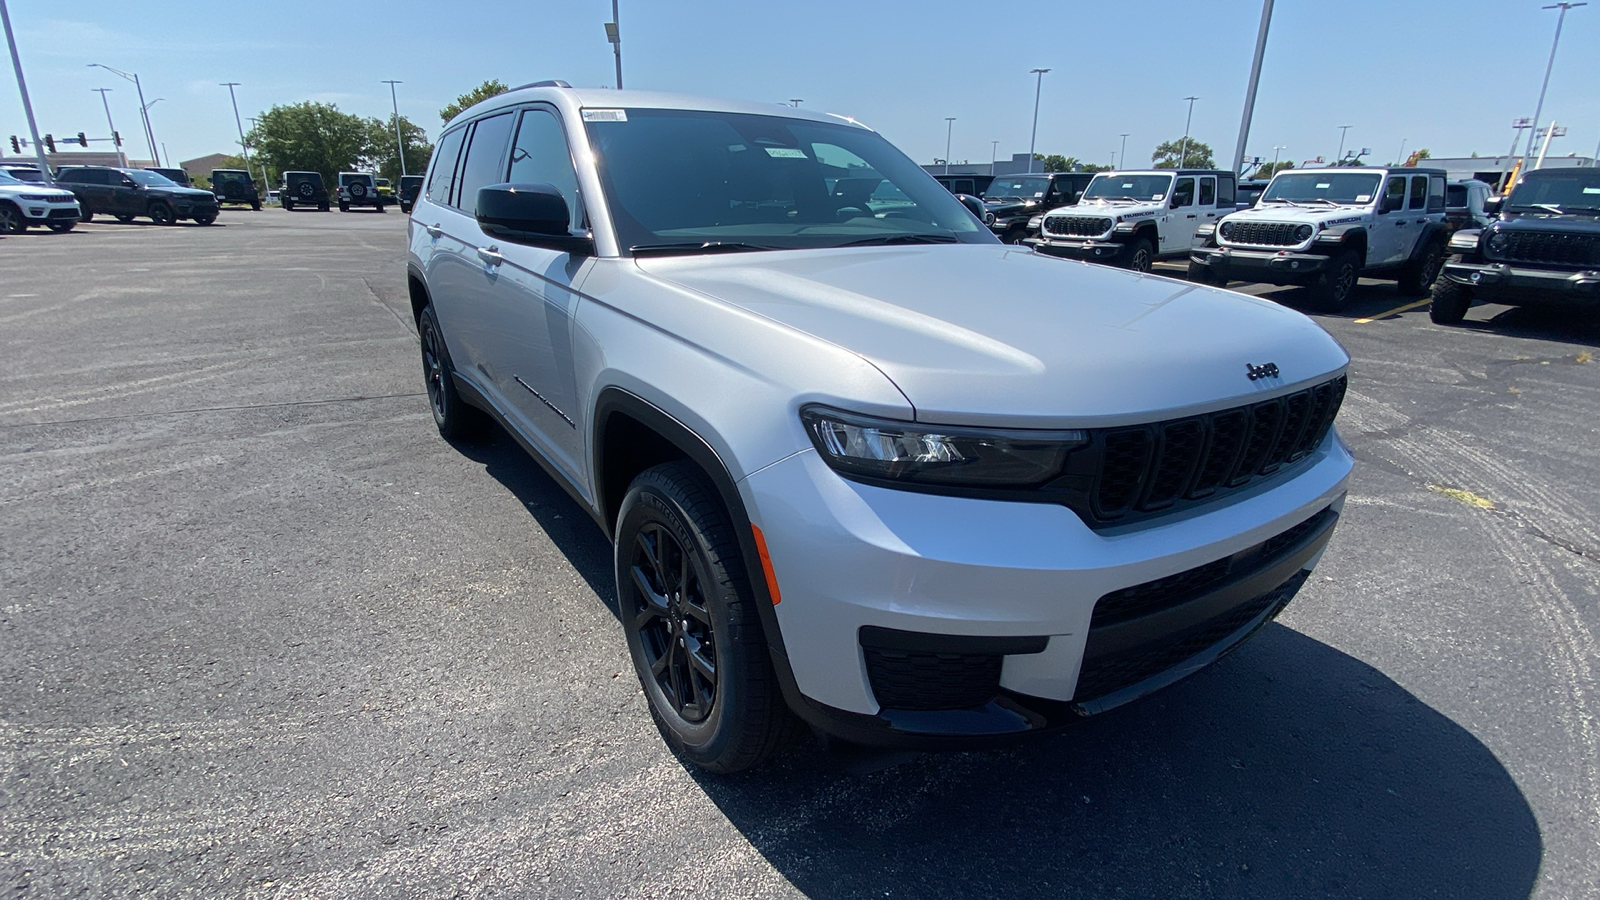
1268, 170
385, 155
1416, 157
313, 137
1199, 155
1055, 162
1094, 167
491, 88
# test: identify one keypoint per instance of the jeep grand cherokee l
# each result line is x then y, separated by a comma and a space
862, 464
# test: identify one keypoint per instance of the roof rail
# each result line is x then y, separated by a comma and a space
548, 82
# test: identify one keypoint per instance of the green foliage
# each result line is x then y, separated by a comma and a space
386, 155
314, 137
1268, 170
1199, 155
202, 180
1094, 167
490, 88
1055, 162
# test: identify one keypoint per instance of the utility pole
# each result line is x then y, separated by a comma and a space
796, 101
1033, 140
1400, 160
1123, 156
230, 85
1183, 155
1250, 91
399, 145
949, 127
994, 148
1337, 157
1539, 109
27, 105
144, 114
122, 158
614, 35
1275, 151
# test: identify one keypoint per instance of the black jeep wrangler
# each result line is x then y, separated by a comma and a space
410, 187
1543, 250
303, 189
1014, 200
235, 186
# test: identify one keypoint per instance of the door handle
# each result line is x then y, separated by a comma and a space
1191, 215
433, 230
490, 256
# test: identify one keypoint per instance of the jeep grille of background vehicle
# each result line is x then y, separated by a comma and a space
1150, 468
1549, 247
1077, 226
1263, 234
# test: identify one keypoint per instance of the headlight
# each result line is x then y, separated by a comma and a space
1465, 240
886, 449
1226, 229
1497, 242
48, 198
1304, 233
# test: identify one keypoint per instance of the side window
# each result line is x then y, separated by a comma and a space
1183, 193
961, 186
485, 160
540, 156
1419, 192
443, 176
1208, 191
1435, 193
1394, 193
1225, 192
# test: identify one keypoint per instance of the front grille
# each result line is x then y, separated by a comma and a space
1263, 234
1552, 247
1077, 226
909, 679
65, 212
1146, 469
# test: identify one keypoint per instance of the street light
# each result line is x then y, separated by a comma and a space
1032, 141
1123, 156
994, 148
1183, 155
796, 101
614, 35
122, 158
949, 126
27, 105
1275, 149
1343, 130
1250, 89
149, 133
399, 145
230, 85
1400, 159
1538, 109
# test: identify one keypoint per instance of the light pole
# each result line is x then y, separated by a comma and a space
27, 105
255, 123
1250, 90
796, 101
1398, 160
1123, 156
149, 133
122, 159
399, 145
614, 35
1275, 150
994, 148
1538, 109
1183, 155
1343, 130
1032, 140
230, 85
949, 127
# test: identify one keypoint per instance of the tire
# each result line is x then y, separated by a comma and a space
1419, 276
11, 220
1333, 288
60, 227
382, 208
85, 214
1450, 302
323, 206
344, 207
456, 419
255, 205
682, 588
205, 218
288, 204
1141, 255
123, 218
1201, 274
161, 214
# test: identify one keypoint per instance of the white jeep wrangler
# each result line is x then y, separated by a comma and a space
1324, 228
1131, 219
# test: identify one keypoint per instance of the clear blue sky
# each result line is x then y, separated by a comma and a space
1444, 74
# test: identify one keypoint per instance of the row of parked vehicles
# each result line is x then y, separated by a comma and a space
167, 195
1322, 229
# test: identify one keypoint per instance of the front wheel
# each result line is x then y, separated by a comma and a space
124, 218
255, 205
1142, 256
1332, 290
11, 220
1450, 302
161, 214
1200, 273
205, 218
693, 632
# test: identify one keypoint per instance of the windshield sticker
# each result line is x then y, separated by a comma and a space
1363, 198
1127, 185
1593, 190
1157, 196
605, 115
785, 153
1323, 185
1038, 193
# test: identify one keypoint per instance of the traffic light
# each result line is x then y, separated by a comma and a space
116, 137
16, 145
50, 143
82, 139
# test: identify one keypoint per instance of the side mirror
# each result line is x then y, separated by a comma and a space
1174, 204
129, 182
973, 205
532, 214
1492, 206
1390, 204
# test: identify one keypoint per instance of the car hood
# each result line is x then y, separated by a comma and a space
189, 193
1011, 207
1120, 211
1521, 221
1320, 216
985, 334
13, 190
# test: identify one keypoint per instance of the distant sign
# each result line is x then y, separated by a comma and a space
1521, 123
1561, 131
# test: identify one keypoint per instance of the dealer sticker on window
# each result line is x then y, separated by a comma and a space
1593, 190
785, 153
605, 115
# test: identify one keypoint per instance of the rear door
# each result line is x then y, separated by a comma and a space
1182, 218
1392, 230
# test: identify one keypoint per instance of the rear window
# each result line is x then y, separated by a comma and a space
1455, 196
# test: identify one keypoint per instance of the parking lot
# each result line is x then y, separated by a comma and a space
265, 634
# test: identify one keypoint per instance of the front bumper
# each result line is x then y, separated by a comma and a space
1270, 266
50, 212
1502, 283
854, 562
1087, 249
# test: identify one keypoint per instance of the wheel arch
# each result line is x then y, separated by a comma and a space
417, 288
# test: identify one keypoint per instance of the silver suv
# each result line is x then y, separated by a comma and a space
359, 189
862, 465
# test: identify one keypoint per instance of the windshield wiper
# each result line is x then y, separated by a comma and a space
901, 239
688, 248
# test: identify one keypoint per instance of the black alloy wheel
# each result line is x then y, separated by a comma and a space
674, 627
1142, 256
357, 190
455, 419
11, 221
85, 214
1419, 278
161, 214
306, 189
1332, 291
205, 218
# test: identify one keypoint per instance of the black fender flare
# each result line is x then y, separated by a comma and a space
1432, 233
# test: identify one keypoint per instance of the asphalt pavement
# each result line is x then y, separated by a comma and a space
264, 634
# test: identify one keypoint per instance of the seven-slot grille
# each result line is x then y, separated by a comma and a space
1549, 247
1263, 234
1151, 468
1077, 226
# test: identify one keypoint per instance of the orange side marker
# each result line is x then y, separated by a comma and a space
766, 564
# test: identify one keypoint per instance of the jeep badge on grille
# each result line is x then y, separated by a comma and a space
1265, 370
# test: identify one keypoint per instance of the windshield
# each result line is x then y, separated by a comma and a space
1128, 187
1020, 187
678, 180
1334, 187
149, 178
1568, 190
5, 178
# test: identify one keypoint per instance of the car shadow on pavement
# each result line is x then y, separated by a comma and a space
1539, 323
1288, 770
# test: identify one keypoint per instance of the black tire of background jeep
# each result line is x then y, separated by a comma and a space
85, 214
11, 220
1420, 274
124, 218
60, 227
161, 214
323, 206
205, 218
731, 715
1450, 302
343, 206
256, 205
288, 204
1200, 273
456, 419
1141, 255
1333, 287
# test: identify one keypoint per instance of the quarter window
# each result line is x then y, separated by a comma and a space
540, 156
444, 167
1435, 193
1225, 191
484, 163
